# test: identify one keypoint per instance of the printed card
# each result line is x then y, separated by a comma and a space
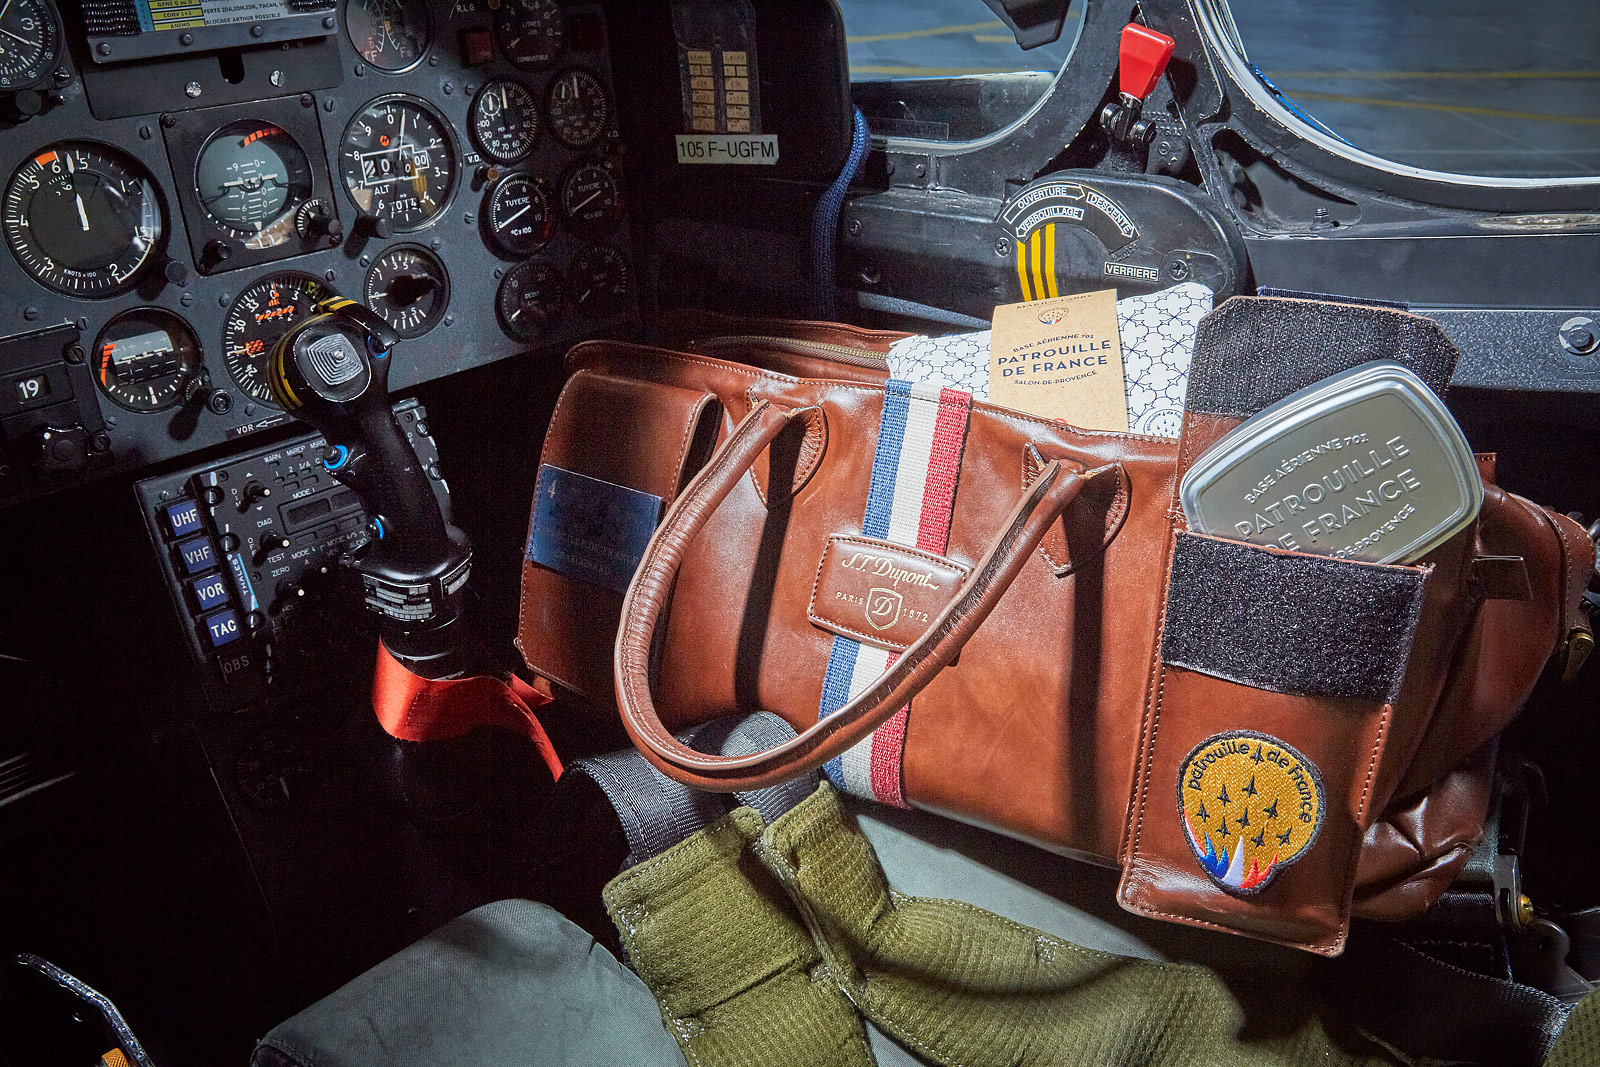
1061, 358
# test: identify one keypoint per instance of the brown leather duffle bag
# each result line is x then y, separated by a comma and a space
1004, 619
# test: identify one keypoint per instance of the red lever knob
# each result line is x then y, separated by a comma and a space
1142, 59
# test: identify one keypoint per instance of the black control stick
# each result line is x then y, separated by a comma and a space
332, 371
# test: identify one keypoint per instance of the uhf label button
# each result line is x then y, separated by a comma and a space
209, 592
182, 518
197, 554
222, 627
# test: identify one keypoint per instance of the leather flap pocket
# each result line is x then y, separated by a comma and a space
628, 437
1274, 700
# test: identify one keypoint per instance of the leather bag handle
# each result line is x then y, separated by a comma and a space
1046, 497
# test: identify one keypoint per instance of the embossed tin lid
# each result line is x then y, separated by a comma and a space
1366, 464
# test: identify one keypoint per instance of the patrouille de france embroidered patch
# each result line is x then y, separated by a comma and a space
1252, 806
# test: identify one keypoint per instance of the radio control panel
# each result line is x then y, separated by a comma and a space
250, 548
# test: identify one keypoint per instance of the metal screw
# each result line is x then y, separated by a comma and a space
888, 168
223, 300
192, 90
446, 88
186, 39
449, 320
168, 121
103, 48
1578, 335
328, 275
328, 23
62, 75
361, 70
366, 260
1178, 269
82, 323
101, 442
433, 61
852, 227
306, 100
146, 132
920, 170
74, 353
1002, 247
258, 30
467, 218
327, 105
187, 299
276, 77
435, 243
30, 313
870, 275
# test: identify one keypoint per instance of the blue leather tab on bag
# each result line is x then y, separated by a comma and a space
590, 530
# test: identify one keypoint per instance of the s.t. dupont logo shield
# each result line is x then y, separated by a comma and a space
1252, 806
883, 608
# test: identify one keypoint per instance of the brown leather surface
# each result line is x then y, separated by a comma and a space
624, 431
880, 592
1055, 723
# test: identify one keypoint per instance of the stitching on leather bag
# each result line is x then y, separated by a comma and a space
1361, 811
691, 424
810, 455
876, 639
1114, 517
1575, 579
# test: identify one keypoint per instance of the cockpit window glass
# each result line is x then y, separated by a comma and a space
1467, 86
946, 70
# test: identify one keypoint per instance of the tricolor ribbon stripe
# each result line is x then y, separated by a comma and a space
909, 502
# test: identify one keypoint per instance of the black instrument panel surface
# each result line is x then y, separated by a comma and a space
451, 297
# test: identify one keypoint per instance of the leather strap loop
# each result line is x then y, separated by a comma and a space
1042, 503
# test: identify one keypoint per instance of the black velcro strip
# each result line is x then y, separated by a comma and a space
1296, 624
1254, 351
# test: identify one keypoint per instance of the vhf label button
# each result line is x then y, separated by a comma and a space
183, 518
222, 627
209, 592
197, 554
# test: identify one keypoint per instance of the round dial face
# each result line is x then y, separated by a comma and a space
409, 288
531, 33
397, 161
530, 300
251, 177
505, 120
598, 279
391, 35
577, 108
28, 43
144, 358
519, 218
82, 219
591, 199
259, 316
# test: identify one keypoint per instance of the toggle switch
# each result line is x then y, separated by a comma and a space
1142, 57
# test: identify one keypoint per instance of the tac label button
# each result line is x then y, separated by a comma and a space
222, 627
197, 554
183, 518
209, 592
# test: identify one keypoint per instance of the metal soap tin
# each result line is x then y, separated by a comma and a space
1252, 476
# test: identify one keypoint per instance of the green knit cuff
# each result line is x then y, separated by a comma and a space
738, 978
961, 985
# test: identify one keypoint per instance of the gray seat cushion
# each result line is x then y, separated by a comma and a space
508, 983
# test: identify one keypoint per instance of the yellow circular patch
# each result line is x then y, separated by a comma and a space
1252, 805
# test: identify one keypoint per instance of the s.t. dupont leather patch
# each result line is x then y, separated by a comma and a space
1252, 806
881, 593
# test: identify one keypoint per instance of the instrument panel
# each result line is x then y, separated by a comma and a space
454, 164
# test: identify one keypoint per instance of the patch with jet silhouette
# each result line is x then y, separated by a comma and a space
1252, 806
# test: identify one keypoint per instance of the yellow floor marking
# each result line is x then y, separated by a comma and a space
1464, 75
1459, 109
936, 31
994, 38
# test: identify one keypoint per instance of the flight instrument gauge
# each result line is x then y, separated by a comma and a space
531, 33
28, 43
598, 280
397, 161
520, 218
259, 316
530, 300
82, 218
409, 288
591, 199
392, 35
251, 177
505, 120
577, 108
144, 358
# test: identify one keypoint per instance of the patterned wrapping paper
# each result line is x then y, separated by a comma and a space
1157, 332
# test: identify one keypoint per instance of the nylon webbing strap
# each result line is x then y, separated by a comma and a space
733, 969
657, 812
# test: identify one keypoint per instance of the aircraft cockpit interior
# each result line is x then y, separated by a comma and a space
752, 533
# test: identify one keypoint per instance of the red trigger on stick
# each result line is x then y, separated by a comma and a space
1142, 58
